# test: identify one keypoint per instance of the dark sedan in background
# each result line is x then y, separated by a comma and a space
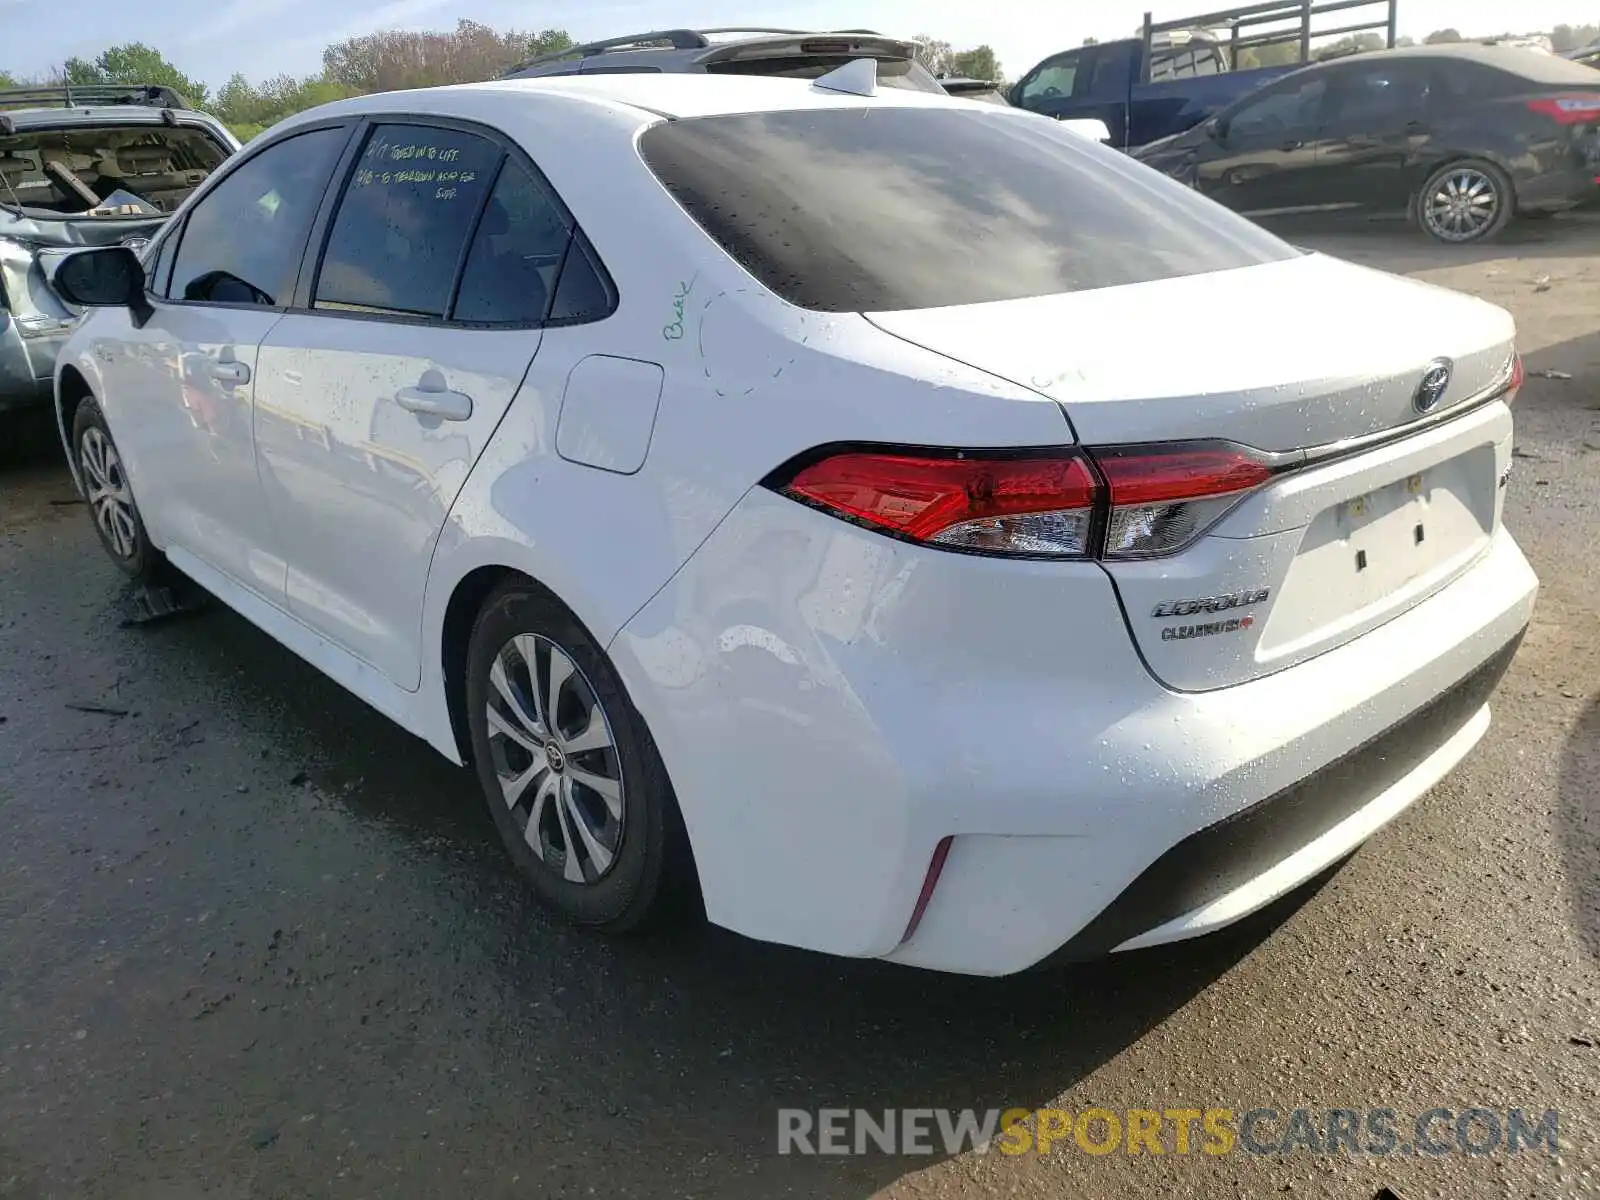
1461, 138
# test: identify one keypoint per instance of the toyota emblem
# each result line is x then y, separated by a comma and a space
1435, 383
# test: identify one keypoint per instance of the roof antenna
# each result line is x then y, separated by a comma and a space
858, 77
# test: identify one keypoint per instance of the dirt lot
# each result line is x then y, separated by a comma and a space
255, 942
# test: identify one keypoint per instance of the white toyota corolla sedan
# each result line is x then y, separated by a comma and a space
904, 525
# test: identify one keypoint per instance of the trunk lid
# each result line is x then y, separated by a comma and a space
1281, 356
1314, 360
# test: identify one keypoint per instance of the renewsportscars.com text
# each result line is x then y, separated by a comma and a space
1372, 1132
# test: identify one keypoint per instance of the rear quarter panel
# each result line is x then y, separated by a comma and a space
748, 382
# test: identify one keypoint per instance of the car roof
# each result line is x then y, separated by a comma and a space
21, 120
683, 48
664, 95
1519, 59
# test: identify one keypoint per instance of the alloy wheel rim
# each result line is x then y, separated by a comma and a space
1462, 205
555, 758
109, 497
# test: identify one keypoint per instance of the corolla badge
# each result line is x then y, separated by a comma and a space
1435, 383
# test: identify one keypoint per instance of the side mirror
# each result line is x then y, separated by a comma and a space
1217, 129
105, 277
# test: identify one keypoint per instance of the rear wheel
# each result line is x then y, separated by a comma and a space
110, 497
1465, 202
573, 781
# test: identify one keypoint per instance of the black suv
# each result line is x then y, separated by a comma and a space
785, 53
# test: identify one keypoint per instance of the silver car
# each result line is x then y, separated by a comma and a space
83, 166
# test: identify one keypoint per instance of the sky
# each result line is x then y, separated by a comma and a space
212, 39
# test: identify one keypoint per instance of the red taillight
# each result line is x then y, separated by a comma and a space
1161, 500
1579, 108
1119, 502
1039, 504
1518, 374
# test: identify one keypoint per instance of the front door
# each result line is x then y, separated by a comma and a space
1261, 155
188, 380
373, 406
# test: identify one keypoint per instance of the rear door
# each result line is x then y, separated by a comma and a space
1378, 119
1263, 153
375, 400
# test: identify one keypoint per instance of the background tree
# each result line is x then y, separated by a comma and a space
1441, 37
133, 62
393, 59
978, 63
1573, 37
934, 54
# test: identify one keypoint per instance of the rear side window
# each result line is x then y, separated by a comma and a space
515, 255
1382, 91
403, 222
862, 210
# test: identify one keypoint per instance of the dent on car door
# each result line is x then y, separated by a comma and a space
440, 265
186, 414
1264, 149
1378, 117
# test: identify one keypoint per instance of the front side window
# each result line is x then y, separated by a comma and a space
1295, 106
1054, 79
404, 220
243, 241
845, 210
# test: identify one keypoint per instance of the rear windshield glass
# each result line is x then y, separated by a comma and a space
103, 169
1544, 68
879, 209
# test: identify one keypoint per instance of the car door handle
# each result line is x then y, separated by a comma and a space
229, 372
451, 406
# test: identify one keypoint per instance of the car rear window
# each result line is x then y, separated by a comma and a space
882, 209
1545, 69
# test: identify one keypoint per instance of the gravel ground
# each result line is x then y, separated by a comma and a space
256, 942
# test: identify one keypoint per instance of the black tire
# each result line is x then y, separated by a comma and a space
136, 556
1504, 202
649, 880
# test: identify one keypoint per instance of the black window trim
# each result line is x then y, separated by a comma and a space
322, 229
155, 289
180, 224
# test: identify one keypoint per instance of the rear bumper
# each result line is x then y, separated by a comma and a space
831, 704
1228, 869
1558, 191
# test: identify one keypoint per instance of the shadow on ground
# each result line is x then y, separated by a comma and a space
258, 939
